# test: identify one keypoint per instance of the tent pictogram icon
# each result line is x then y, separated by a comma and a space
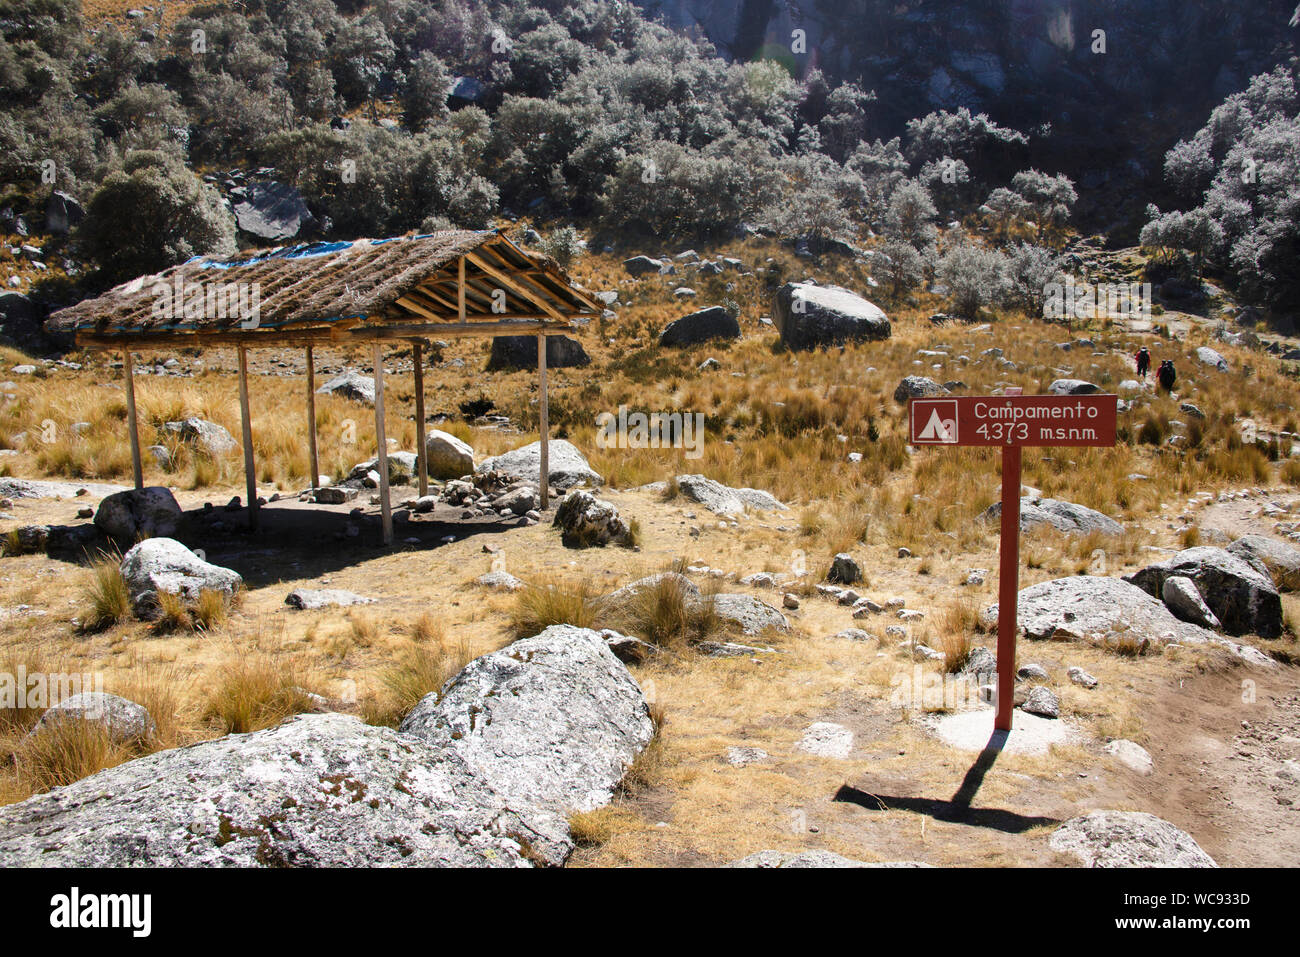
940, 420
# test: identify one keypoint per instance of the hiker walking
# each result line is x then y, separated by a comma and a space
1167, 375
1143, 359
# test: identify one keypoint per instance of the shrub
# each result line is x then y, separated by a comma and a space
151, 214
975, 277
538, 606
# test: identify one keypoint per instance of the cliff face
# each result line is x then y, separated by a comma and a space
1166, 64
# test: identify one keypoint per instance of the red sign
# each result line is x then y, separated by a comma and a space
1012, 421
1023, 420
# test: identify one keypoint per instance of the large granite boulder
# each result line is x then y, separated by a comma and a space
350, 385
1063, 516
714, 322
151, 511
208, 436
1241, 597
124, 720
917, 387
1079, 607
1270, 557
448, 456
520, 352
749, 614
62, 213
1072, 387
270, 211
566, 465
322, 790
724, 500
810, 316
1127, 839
552, 721
165, 565
585, 521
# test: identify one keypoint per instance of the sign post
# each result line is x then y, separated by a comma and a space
1011, 422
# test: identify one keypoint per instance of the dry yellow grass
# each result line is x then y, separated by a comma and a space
777, 426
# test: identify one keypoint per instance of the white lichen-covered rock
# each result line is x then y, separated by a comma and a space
1042, 701
448, 456
1269, 556
723, 500
553, 721
320, 790
809, 316
917, 387
165, 565
585, 521
813, 859
149, 512
751, 616
207, 436
1065, 517
499, 580
566, 465
1128, 839
1130, 754
310, 599
1209, 357
1181, 597
1241, 597
621, 597
1083, 605
350, 385
124, 720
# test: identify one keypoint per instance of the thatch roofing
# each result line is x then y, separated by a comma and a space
404, 287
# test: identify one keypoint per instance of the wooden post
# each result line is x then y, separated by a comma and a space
381, 437
460, 290
544, 426
311, 419
246, 425
133, 428
422, 450
1008, 586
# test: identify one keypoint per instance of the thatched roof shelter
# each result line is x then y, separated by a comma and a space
444, 284
458, 281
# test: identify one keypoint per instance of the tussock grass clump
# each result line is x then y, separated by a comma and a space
108, 599
256, 691
66, 751
957, 625
540, 605
667, 614
649, 768
425, 629
419, 671
599, 827
208, 611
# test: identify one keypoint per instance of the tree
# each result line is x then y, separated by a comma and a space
900, 266
1242, 166
911, 215
1050, 198
151, 214
1030, 270
1003, 209
975, 277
